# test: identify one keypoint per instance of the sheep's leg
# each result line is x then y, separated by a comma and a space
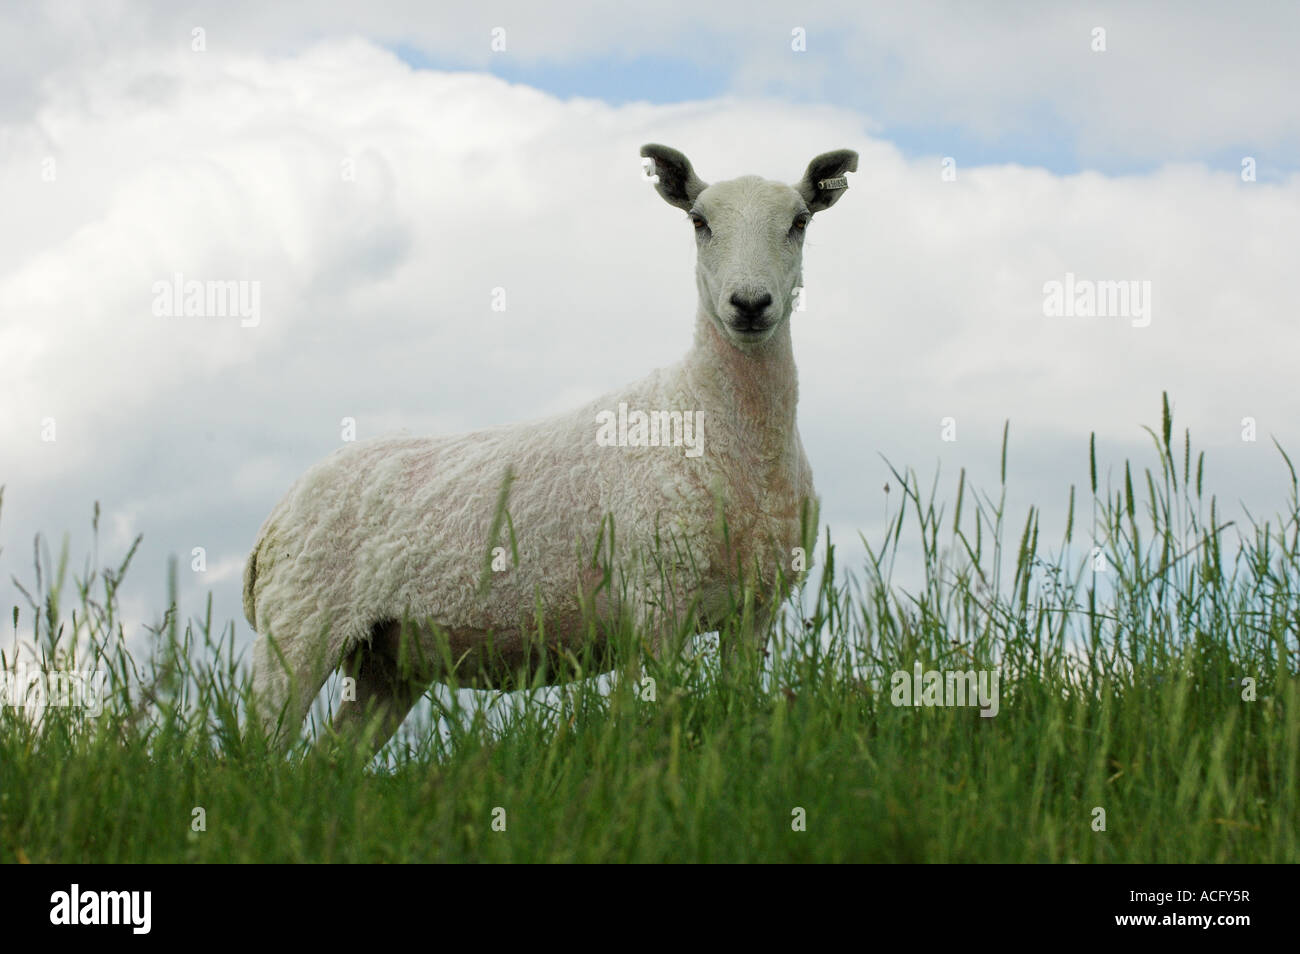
286, 680
270, 695
749, 630
387, 683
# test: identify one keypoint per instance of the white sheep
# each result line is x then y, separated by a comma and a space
400, 528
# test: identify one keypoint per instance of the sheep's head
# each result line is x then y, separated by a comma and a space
749, 236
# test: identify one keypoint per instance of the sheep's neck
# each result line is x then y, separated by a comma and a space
755, 393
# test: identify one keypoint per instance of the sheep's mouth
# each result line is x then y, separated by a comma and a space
750, 331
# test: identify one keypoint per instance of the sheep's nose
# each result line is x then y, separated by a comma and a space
751, 307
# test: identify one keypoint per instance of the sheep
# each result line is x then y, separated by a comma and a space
395, 532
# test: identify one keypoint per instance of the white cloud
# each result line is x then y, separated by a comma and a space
1176, 81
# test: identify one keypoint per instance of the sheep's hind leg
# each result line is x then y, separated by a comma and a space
286, 680
387, 682
747, 632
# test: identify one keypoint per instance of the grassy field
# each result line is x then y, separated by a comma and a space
1147, 712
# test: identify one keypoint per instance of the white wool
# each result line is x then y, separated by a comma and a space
400, 528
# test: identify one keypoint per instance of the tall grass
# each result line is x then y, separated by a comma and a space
1148, 683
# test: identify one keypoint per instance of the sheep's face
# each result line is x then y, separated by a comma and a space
749, 235
749, 239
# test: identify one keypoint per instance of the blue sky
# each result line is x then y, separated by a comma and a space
666, 79
1037, 128
654, 79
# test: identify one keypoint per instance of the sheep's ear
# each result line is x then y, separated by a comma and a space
678, 183
825, 180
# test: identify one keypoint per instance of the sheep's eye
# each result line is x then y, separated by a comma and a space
698, 222
800, 224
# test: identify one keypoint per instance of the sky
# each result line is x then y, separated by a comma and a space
376, 170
